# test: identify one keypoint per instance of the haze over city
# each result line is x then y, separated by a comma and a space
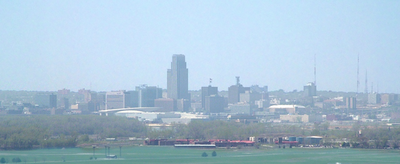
113, 45
200, 81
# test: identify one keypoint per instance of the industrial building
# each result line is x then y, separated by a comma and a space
301, 118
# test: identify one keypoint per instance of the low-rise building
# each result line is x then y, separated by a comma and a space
295, 118
285, 108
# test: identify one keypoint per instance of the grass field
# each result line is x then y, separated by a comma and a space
155, 154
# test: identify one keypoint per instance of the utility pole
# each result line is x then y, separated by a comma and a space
93, 151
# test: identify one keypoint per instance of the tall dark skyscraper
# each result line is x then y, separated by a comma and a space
177, 82
53, 101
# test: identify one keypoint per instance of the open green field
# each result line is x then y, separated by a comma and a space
155, 154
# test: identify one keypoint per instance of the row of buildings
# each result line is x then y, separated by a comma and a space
249, 103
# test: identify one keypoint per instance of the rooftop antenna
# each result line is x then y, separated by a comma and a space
366, 82
315, 70
210, 82
237, 80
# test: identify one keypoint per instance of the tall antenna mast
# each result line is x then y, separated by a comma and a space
372, 87
315, 70
358, 72
366, 82
377, 87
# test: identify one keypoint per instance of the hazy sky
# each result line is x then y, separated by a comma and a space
112, 45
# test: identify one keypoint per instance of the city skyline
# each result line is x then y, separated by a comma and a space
106, 45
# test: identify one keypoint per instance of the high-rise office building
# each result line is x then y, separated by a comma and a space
88, 95
177, 78
207, 91
374, 98
116, 99
310, 90
250, 97
262, 90
166, 105
147, 95
46, 101
182, 105
234, 92
214, 104
387, 98
64, 91
133, 99
53, 101
351, 103
65, 103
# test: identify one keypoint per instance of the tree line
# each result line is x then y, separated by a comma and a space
43, 131
217, 129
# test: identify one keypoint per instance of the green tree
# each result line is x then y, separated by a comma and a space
325, 126
204, 154
196, 130
84, 138
315, 132
214, 154
2, 160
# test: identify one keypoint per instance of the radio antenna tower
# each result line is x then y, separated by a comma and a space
315, 70
377, 87
358, 73
372, 87
366, 82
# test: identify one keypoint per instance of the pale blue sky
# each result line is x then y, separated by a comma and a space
112, 45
